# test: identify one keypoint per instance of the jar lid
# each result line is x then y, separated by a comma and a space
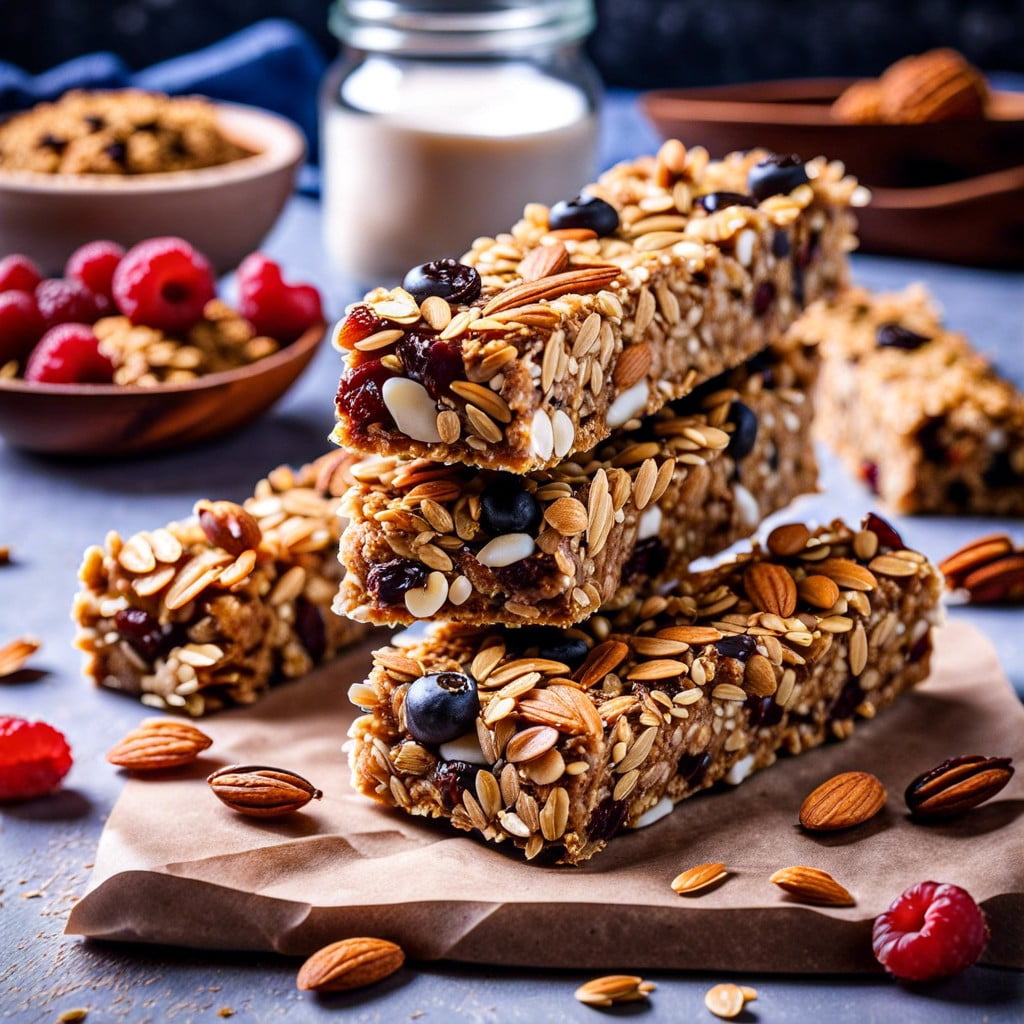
452, 28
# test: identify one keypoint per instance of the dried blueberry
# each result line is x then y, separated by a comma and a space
741, 444
441, 707
763, 711
447, 278
739, 646
776, 175
884, 531
430, 361
507, 507
387, 582
585, 211
712, 202
764, 296
693, 767
893, 335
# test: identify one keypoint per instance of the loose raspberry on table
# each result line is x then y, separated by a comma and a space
275, 308
164, 283
94, 264
34, 757
931, 930
63, 300
18, 273
21, 325
69, 354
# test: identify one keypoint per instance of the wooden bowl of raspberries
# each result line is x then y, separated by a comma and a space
132, 351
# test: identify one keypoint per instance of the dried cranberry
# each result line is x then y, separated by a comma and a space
452, 779
609, 816
763, 711
447, 278
430, 361
309, 624
585, 211
739, 646
764, 297
776, 175
884, 531
648, 558
780, 243
387, 582
145, 633
360, 323
360, 396
894, 335
693, 767
741, 443
846, 703
712, 202
526, 574
506, 506
869, 474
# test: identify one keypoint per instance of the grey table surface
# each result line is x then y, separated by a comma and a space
51, 509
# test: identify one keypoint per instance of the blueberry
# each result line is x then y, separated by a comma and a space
741, 444
712, 202
585, 211
441, 707
449, 279
893, 335
740, 646
776, 175
549, 642
507, 507
388, 581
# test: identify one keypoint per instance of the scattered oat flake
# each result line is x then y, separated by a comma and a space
727, 1000
69, 1016
614, 988
14, 655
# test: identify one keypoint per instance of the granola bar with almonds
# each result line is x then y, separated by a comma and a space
913, 409
428, 541
555, 337
209, 612
555, 740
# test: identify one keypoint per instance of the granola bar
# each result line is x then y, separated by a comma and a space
548, 338
212, 611
558, 739
430, 541
913, 409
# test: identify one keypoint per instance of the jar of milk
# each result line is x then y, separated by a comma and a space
443, 118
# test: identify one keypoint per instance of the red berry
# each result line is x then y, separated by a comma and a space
63, 300
34, 757
931, 930
69, 354
164, 283
20, 325
94, 265
279, 310
18, 273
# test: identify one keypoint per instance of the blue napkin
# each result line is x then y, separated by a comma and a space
273, 64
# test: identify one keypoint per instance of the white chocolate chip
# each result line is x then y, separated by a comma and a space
740, 770
425, 601
504, 550
413, 410
746, 503
745, 247
541, 437
662, 808
629, 404
465, 748
650, 523
564, 433
459, 591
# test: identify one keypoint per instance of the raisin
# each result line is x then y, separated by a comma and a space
763, 711
452, 779
740, 646
309, 624
387, 582
360, 396
846, 703
608, 817
693, 767
893, 335
525, 574
430, 361
777, 174
764, 297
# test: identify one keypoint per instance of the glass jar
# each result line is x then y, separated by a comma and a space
443, 118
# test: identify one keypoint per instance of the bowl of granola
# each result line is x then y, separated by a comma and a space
130, 165
134, 352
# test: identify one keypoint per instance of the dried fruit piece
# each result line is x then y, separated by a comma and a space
259, 791
931, 930
34, 757
811, 885
727, 1000
228, 526
14, 655
159, 743
845, 800
698, 878
350, 963
614, 988
957, 785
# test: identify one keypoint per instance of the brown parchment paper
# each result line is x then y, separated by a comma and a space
175, 866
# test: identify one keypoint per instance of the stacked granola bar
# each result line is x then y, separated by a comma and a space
556, 426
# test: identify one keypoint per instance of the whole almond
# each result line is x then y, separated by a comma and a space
759, 676
849, 575
698, 878
973, 556
567, 515
632, 366
819, 591
228, 526
159, 743
260, 791
771, 588
810, 885
957, 785
788, 539
613, 988
348, 964
604, 658
14, 655
843, 801
572, 282
543, 261
1001, 580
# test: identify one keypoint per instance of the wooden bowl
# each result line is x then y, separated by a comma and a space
109, 420
224, 211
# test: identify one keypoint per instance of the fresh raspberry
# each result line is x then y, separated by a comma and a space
20, 325
34, 757
63, 300
18, 273
931, 930
279, 310
69, 354
164, 283
94, 265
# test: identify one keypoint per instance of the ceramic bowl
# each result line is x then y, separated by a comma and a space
109, 420
224, 211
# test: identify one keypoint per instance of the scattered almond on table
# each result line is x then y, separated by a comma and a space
614, 988
697, 879
159, 743
259, 791
957, 785
811, 885
350, 963
14, 655
727, 1000
845, 800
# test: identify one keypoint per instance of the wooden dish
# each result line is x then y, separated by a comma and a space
110, 420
